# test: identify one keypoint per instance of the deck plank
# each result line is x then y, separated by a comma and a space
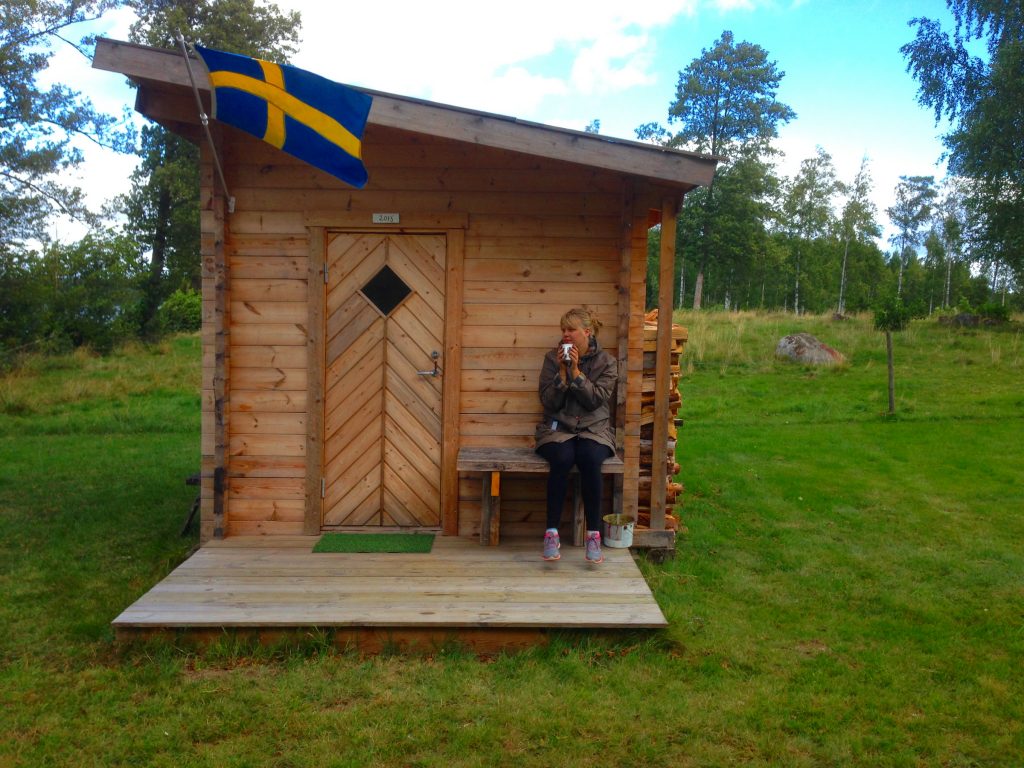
252, 582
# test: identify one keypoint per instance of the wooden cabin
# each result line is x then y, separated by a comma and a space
355, 341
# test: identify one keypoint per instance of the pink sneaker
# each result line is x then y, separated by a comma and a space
551, 545
594, 555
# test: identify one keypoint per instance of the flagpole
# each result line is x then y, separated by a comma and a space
205, 120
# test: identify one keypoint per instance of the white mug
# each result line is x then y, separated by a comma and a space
565, 352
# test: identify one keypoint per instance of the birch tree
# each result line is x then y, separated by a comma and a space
951, 230
807, 208
857, 222
973, 77
909, 215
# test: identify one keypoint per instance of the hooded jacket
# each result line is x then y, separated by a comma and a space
582, 407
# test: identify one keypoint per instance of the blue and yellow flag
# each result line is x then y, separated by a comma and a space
310, 117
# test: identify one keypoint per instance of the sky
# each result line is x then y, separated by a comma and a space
568, 62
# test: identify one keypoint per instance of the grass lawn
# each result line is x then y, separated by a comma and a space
849, 590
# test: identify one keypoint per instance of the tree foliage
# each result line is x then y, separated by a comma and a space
725, 103
857, 222
753, 239
85, 293
807, 208
983, 99
726, 100
39, 124
909, 215
162, 206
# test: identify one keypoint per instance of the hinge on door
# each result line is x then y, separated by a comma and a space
325, 274
323, 487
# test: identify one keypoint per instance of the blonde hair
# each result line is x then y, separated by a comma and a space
581, 317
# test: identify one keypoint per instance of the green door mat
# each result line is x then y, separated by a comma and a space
375, 542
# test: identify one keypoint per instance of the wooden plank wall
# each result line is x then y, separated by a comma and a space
543, 236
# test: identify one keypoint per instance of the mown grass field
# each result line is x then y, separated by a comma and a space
849, 590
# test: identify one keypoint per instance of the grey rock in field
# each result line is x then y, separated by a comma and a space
805, 348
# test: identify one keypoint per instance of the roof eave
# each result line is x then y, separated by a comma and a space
165, 69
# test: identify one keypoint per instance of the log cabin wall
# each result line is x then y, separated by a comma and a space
542, 236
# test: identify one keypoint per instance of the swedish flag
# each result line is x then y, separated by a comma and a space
308, 116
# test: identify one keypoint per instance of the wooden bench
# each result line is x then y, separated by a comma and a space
491, 462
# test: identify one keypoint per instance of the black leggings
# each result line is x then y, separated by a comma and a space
586, 454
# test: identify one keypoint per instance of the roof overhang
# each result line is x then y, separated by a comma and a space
165, 95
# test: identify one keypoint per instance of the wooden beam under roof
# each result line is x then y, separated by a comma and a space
164, 71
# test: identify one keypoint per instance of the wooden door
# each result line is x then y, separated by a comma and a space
382, 394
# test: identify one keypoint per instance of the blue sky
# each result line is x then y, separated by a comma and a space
566, 62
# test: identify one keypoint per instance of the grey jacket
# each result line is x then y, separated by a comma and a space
581, 408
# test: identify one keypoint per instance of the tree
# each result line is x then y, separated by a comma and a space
950, 228
891, 315
725, 105
857, 221
909, 214
71, 294
163, 204
983, 99
89, 291
807, 208
935, 261
38, 125
867, 277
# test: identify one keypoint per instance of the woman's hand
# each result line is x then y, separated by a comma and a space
569, 369
573, 366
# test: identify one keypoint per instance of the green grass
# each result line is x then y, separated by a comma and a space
849, 590
374, 542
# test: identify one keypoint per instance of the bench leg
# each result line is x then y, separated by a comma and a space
579, 522
579, 519
490, 510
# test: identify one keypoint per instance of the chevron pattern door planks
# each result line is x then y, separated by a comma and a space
382, 420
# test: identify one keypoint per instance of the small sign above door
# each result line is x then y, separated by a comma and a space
386, 218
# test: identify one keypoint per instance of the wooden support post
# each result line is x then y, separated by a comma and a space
451, 386
579, 521
490, 508
316, 360
662, 370
617, 492
627, 319
216, 265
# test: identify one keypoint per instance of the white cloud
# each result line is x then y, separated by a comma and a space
476, 54
613, 63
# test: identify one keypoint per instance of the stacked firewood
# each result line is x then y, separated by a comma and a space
674, 489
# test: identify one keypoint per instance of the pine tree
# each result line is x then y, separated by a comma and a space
163, 203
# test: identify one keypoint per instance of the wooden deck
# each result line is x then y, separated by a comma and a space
486, 597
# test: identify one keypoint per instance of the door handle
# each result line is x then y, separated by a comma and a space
435, 371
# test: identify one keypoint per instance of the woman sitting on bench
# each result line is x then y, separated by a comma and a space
577, 383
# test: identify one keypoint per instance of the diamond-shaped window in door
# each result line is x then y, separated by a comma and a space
386, 290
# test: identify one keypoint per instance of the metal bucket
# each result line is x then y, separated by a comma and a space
618, 530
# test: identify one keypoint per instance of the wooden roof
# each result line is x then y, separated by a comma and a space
165, 95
